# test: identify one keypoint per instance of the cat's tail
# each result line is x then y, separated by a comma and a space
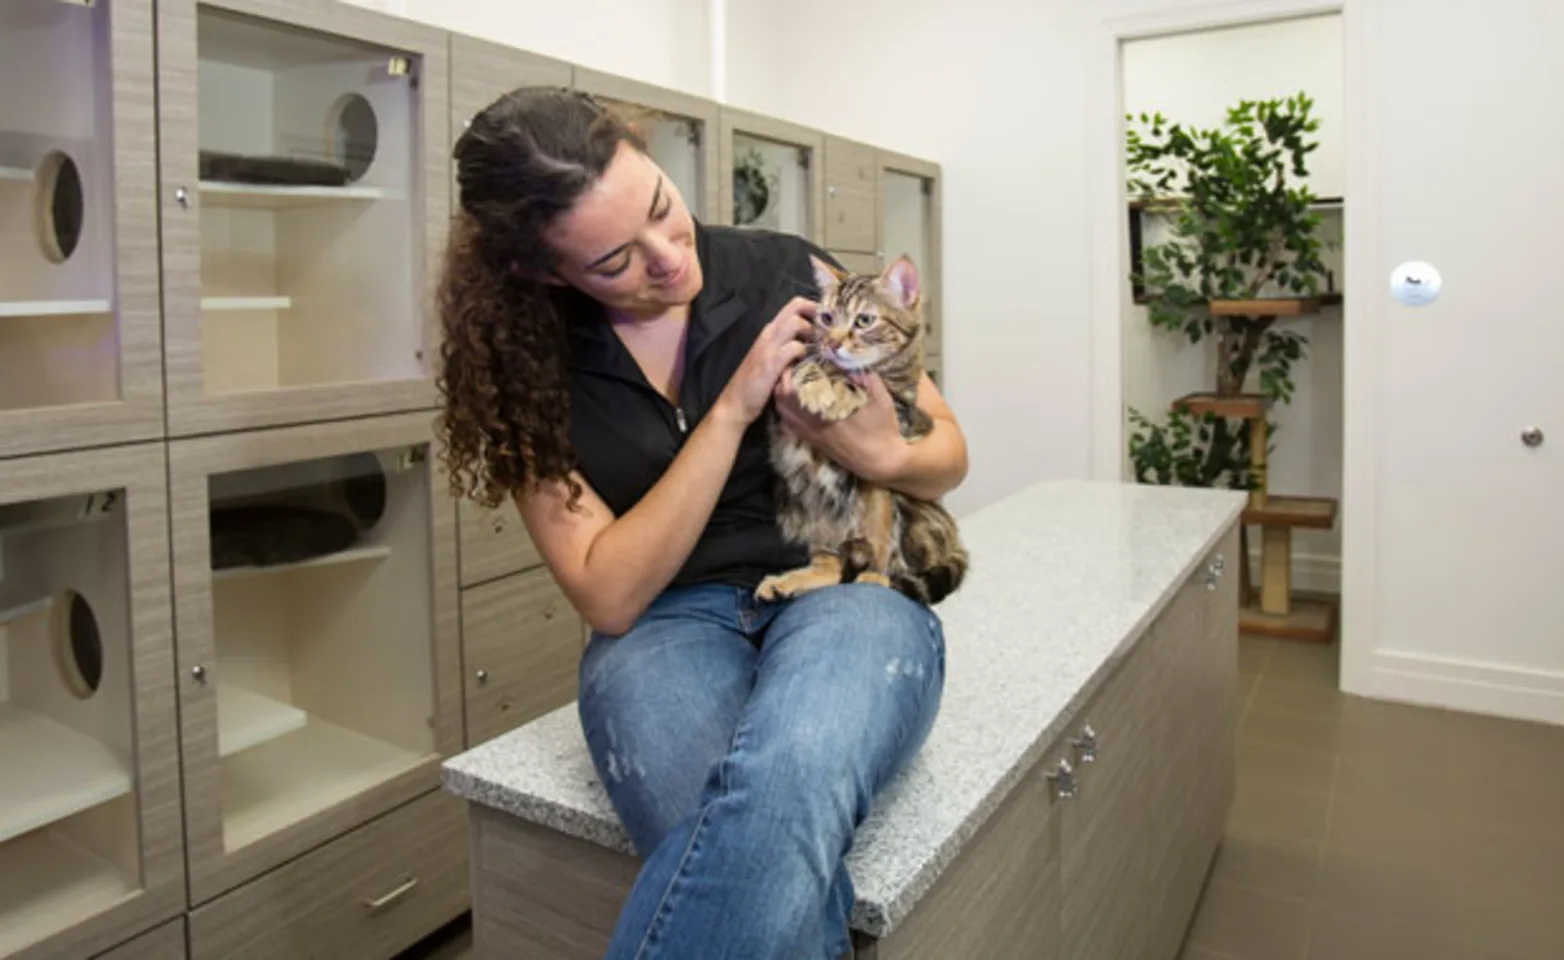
936, 561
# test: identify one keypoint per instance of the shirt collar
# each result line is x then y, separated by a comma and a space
724, 277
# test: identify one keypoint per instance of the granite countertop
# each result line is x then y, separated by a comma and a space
1065, 577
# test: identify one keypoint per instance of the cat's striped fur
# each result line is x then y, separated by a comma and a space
859, 531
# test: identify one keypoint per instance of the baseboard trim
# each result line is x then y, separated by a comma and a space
1473, 686
1311, 572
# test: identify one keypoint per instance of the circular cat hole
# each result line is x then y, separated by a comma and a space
354, 134
60, 206
78, 644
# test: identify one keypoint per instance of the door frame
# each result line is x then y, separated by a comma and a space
1124, 20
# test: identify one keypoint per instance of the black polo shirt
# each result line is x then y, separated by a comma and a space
626, 434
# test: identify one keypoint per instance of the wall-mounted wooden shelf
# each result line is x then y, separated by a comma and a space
1268, 307
1246, 405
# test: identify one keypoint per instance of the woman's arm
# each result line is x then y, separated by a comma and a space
612, 568
869, 443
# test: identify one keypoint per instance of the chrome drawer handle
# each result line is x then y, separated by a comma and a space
1086, 745
386, 900
1063, 781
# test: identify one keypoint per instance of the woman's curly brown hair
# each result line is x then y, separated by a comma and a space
522, 162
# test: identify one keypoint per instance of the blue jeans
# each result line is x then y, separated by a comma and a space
742, 743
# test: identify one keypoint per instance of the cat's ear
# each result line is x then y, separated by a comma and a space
826, 276
900, 280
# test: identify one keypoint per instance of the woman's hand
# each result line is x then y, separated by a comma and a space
868, 444
780, 344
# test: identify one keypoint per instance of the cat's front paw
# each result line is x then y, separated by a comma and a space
831, 400
771, 588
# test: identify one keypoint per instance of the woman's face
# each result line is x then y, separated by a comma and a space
629, 242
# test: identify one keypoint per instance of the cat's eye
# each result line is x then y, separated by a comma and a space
864, 321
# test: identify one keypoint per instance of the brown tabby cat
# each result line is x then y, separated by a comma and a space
858, 531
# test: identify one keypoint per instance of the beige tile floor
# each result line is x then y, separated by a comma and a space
1363, 829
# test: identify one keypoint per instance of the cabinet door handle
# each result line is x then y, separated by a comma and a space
1086, 745
387, 899
1063, 781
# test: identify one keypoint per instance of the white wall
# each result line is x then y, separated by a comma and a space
1193, 78
664, 42
989, 88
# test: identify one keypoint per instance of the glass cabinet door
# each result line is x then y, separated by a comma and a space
71, 209
679, 131
771, 181
304, 225
318, 574
89, 789
909, 226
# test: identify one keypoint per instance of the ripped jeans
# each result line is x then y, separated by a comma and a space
741, 743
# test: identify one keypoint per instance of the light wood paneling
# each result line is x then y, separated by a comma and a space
191, 462
494, 543
857, 262
852, 217
521, 645
163, 943
482, 72
999, 900
139, 472
781, 131
138, 414
538, 893
673, 103
369, 894
191, 409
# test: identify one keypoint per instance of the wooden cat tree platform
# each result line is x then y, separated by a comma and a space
1274, 610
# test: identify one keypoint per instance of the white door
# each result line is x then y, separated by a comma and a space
1470, 164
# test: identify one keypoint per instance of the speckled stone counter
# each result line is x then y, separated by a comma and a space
1065, 578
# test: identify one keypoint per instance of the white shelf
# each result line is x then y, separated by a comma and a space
23, 610
226, 304
247, 719
355, 555
54, 308
283, 781
51, 772
48, 883
15, 174
252, 196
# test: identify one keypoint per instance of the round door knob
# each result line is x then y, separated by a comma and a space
199, 673
1532, 436
483, 676
182, 197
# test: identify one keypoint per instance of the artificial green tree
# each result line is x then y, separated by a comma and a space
1243, 233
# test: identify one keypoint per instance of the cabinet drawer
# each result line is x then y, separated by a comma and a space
370, 893
492, 543
521, 642
166, 942
857, 261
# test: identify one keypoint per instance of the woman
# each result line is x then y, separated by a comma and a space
607, 365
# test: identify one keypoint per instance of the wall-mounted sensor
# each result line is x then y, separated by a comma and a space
1415, 283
